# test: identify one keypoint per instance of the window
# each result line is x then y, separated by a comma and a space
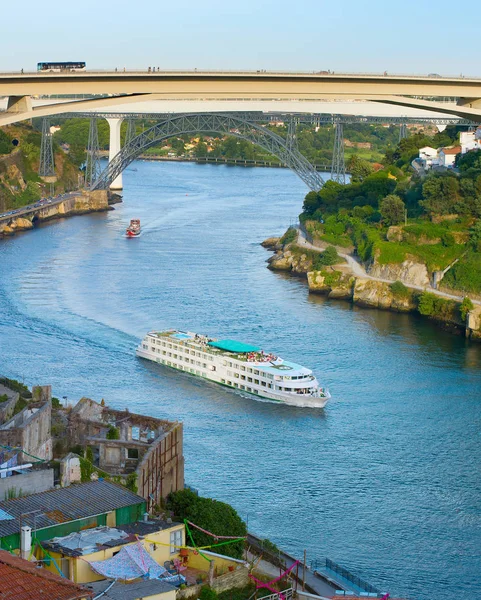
175, 541
249, 379
132, 453
256, 381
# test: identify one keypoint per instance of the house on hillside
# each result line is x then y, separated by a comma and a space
428, 157
447, 156
130, 550
61, 511
470, 140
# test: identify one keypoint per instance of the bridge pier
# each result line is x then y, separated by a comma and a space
114, 148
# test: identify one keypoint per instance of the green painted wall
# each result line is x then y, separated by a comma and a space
128, 514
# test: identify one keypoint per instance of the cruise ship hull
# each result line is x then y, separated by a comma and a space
254, 373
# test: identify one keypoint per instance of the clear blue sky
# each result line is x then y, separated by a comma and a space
438, 36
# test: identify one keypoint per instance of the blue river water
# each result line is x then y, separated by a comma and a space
385, 480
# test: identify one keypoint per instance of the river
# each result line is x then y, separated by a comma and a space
385, 481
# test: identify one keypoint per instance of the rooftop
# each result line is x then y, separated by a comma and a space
233, 346
130, 591
454, 150
88, 541
61, 505
23, 580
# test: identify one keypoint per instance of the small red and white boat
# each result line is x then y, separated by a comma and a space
133, 229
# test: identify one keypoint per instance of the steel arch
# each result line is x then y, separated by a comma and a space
221, 123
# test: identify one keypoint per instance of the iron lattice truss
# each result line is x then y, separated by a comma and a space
338, 169
177, 125
92, 164
131, 131
46, 166
304, 118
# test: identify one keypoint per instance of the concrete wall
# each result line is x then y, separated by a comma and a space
33, 482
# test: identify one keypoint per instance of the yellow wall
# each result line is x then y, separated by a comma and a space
221, 563
157, 545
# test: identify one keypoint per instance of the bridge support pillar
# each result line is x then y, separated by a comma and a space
114, 148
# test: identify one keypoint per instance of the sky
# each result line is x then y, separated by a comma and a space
294, 35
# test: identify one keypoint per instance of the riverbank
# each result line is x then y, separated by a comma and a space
350, 281
75, 204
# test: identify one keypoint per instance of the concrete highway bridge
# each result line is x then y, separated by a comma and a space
192, 102
421, 92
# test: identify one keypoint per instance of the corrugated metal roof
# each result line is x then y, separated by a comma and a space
130, 591
78, 501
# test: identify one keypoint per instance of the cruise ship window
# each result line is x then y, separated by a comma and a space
236, 375
243, 368
256, 372
243, 377
249, 379
256, 381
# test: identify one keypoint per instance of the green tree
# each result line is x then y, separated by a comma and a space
441, 194
465, 308
5, 143
358, 168
113, 433
469, 160
326, 258
475, 236
392, 209
311, 203
207, 593
214, 516
200, 151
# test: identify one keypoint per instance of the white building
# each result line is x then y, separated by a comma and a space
470, 140
447, 156
428, 157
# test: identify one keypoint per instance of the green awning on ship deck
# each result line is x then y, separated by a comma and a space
233, 346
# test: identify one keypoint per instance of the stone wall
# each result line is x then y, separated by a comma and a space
33, 482
235, 579
7, 407
31, 431
161, 470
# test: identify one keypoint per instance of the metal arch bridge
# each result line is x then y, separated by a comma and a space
175, 125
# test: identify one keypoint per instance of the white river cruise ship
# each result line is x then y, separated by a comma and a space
233, 364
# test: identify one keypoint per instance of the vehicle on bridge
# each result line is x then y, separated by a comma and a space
60, 67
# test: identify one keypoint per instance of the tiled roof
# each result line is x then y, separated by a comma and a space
77, 501
455, 150
23, 580
130, 591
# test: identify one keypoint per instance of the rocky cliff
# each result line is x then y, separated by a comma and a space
409, 272
291, 258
